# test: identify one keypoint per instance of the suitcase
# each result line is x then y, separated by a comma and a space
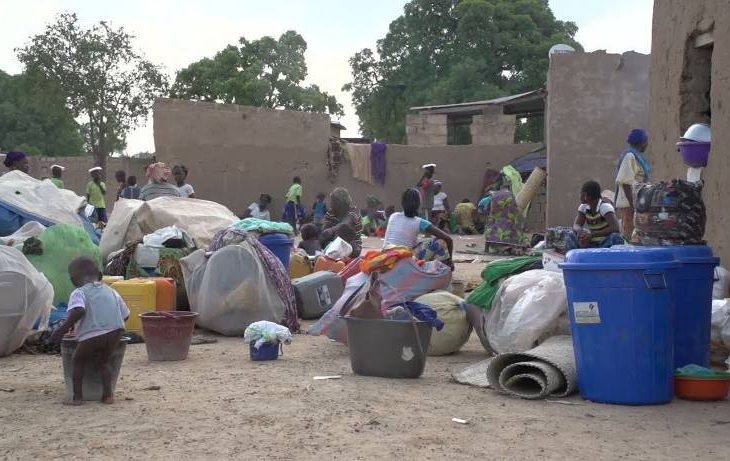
317, 293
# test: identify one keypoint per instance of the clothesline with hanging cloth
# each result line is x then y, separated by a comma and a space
377, 162
368, 162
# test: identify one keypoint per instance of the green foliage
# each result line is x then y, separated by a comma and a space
451, 51
106, 82
34, 117
263, 73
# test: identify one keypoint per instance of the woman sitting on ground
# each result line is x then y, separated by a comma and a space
405, 227
158, 174
342, 220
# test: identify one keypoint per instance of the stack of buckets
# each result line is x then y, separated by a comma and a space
637, 314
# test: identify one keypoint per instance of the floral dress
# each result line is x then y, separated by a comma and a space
505, 228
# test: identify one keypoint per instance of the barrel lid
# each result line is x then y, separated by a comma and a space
621, 257
688, 254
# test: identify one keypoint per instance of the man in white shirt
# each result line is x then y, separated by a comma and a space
633, 169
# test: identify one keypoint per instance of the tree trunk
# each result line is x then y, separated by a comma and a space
100, 159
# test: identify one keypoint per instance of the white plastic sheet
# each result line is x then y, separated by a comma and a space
721, 287
41, 198
26, 296
338, 249
527, 309
230, 289
28, 230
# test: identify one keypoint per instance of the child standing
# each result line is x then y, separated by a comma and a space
319, 210
95, 191
132, 189
293, 202
98, 313
180, 172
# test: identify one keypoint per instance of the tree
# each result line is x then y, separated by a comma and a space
34, 117
106, 82
451, 51
263, 73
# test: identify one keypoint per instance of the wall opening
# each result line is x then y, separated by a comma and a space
696, 83
459, 130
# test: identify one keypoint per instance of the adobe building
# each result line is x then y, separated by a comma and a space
690, 71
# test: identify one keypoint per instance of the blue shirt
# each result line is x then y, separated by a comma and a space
320, 210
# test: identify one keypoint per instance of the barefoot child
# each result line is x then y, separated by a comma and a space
98, 313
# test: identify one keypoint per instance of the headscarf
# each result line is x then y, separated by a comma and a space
158, 172
637, 137
12, 157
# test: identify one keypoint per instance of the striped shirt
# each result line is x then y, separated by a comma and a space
155, 190
596, 219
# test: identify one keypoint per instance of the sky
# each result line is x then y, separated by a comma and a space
175, 33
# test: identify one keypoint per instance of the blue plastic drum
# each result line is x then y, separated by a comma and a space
693, 300
279, 244
621, 315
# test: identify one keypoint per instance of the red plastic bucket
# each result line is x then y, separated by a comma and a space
167, 335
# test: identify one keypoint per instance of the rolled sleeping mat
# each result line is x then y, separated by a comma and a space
531, 188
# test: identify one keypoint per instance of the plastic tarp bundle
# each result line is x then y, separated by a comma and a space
115, 233
528, 308
495, 272
28, 230
62, 244
230, 289
24, 199
200, 219
266, 332
457, 328
26, 296
405, 282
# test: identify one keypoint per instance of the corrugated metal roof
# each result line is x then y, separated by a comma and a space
535, 96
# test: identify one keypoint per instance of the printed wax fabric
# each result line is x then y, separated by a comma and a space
670, 213
505, 223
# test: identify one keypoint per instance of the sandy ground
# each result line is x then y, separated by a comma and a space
220, 404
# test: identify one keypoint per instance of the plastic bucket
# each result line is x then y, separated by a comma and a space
91, 387
267, 351
388, 348
621, 312
280, 245
167, 334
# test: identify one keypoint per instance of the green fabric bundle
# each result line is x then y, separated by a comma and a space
495, 273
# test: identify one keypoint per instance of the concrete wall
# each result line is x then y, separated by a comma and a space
594, 100
76, 176
234, 153
426, 129
676, 24
493, 127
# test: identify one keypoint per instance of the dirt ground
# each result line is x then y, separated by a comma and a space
220, 404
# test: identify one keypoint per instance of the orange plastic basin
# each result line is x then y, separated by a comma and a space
701, 388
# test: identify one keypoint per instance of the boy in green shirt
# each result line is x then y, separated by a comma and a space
293, 202
56, 173
95, 192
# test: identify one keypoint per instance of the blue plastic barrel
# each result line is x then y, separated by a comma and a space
621, 315
280, 245
693, 301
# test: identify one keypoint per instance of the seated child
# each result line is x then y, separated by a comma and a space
596, 225
310, 239
465, 217
98, 313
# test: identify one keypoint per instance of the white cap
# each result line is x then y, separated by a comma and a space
96, 168
428, 165
62, 168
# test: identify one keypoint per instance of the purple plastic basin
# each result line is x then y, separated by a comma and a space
694, 154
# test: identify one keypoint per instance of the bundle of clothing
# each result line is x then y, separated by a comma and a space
670, 213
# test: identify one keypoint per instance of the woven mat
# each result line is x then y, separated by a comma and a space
547, 370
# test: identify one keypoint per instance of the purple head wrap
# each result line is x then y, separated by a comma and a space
637, 136
12, 157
